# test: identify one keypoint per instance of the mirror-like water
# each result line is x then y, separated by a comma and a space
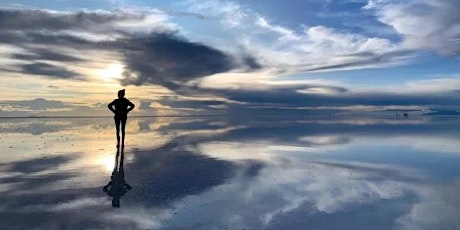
217, 173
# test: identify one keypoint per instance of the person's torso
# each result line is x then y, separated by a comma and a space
121, 107
118, 185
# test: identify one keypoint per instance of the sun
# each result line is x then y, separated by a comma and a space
113, 71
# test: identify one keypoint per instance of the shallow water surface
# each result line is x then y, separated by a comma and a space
220, 173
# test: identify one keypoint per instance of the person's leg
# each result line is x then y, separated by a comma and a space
117, 127
115, 168
123, 125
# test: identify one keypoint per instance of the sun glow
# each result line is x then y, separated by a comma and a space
107, 161
112, 71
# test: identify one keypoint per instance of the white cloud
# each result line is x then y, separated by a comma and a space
264, 80
423, 24
284, 50
229, 13
434, 85
292, 180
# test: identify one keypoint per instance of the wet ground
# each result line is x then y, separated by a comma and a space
220, 173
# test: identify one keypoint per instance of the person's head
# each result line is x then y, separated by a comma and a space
121, 93
116, 202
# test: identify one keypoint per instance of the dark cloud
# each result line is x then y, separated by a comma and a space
251, 63
52, 40
23, 27
378, 215
365, 59
145, 105
38, 164
163, 58
291, 97
168, 61
160, 58
42, 54
48, 70
161, 177
278, 101
25, 19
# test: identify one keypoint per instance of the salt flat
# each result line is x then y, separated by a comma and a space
220, 173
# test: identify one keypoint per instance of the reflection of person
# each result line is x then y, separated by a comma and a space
121, 107
117, 187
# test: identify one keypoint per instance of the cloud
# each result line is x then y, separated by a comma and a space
266, 94
269, 96
423, 24
304, 96
289, 187
24, 20
149, 47
37, 165
233, 13
295, 186
46, 107
48, 41
242, 73
49, 55
168, 61
35, 104
444, 199
312, 48
48, 70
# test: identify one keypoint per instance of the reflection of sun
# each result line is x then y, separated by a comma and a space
107, 161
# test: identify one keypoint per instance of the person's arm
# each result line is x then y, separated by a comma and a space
111, 106
106, 188
127, 186
131, 105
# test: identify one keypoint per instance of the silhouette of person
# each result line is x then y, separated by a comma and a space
121, 107
117, 186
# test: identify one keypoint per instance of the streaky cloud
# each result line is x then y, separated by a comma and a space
48, 70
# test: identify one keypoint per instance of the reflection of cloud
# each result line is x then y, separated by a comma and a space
36, 165
324, 140
237, 174
439, 208
427, 143
33, 126
45, 107
35, 104
260, 151
162, 180
283, 188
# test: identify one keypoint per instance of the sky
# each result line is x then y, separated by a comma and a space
69, 58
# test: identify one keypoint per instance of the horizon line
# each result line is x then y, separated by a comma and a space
208, 115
